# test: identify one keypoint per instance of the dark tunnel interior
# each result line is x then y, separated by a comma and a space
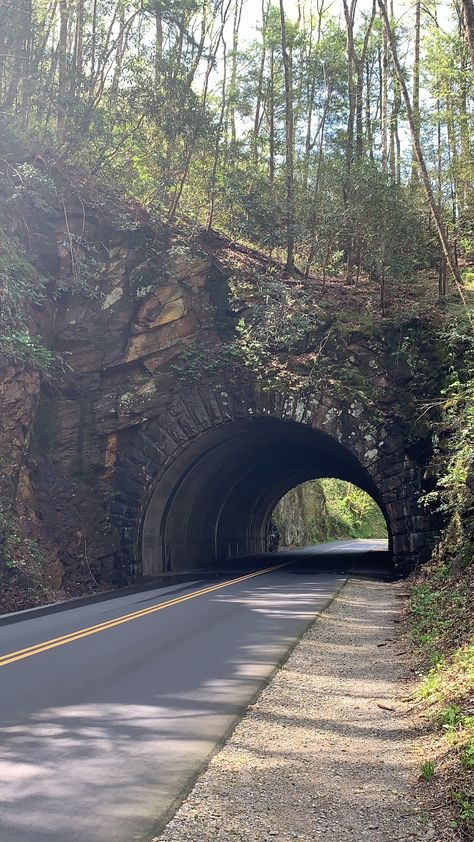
214, 502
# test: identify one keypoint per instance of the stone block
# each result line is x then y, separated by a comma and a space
146, 344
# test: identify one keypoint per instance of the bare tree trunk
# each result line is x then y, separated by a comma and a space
178, 47
394, 136
93, 38
119, 56
311, 89
258, 105
192, 144
359, 112
158, 44
444, 242
77, 58
309, 122
28, 53
416, 91
62, 57
465, 145
233, 75
349, 13
317, 180
289, 135
442, 278
384, 99
355, 63
359, 63
368, 115
212, 190
271, 162
453, 159
468, 12
20, 46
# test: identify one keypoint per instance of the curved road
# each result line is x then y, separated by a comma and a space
109, 710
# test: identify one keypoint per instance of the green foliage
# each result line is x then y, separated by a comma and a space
448, 686
323, 510
458, 418
197, 361
20, 348
23, 579
441, 599
386, 223
157, 102
467, 755
12, 540
21, 288
427, 770
450, 716
464, 801
439, 611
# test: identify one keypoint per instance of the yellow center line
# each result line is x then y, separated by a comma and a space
11, 657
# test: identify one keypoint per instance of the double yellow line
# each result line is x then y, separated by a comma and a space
11, 657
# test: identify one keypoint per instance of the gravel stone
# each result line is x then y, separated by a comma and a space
326, 753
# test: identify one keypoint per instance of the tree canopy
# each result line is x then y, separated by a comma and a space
336, 135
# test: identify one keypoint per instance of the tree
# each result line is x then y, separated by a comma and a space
468, 10
416, 90
440, 228
264, 139
289, 140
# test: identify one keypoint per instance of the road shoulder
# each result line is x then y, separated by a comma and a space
328, 752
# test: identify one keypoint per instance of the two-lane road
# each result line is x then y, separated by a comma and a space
108, 710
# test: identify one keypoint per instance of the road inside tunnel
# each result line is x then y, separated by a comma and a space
214, 503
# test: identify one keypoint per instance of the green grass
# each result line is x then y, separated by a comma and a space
427, 770
441, 631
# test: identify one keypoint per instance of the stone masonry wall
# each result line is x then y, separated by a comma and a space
87, 444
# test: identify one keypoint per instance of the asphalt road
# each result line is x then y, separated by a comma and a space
109, 710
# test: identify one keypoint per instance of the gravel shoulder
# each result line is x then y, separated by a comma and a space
329, 751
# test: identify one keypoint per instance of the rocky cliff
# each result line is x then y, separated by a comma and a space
120, 320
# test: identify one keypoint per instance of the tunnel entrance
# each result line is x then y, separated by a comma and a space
214, 501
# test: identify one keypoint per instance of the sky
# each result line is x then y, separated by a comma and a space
403, 8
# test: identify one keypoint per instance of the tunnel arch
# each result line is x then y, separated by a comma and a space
213, 501
179, 472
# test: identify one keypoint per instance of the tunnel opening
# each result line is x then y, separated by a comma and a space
326, 510
214, 502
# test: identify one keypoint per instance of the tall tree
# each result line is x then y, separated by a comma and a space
416, 90
440, 228
468, 10
289, 141
260, 79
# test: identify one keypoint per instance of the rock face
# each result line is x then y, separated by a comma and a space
87, 450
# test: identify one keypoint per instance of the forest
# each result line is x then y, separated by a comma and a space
332, 141
337, 136
325, 510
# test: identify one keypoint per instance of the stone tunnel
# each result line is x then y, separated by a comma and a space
133, 469
215, 500
198, 484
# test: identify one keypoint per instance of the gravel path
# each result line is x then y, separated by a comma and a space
326, 754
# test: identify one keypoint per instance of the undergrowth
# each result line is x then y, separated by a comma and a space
441, 605
22, 289
23, 565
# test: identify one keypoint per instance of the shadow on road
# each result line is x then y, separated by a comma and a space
367, 559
